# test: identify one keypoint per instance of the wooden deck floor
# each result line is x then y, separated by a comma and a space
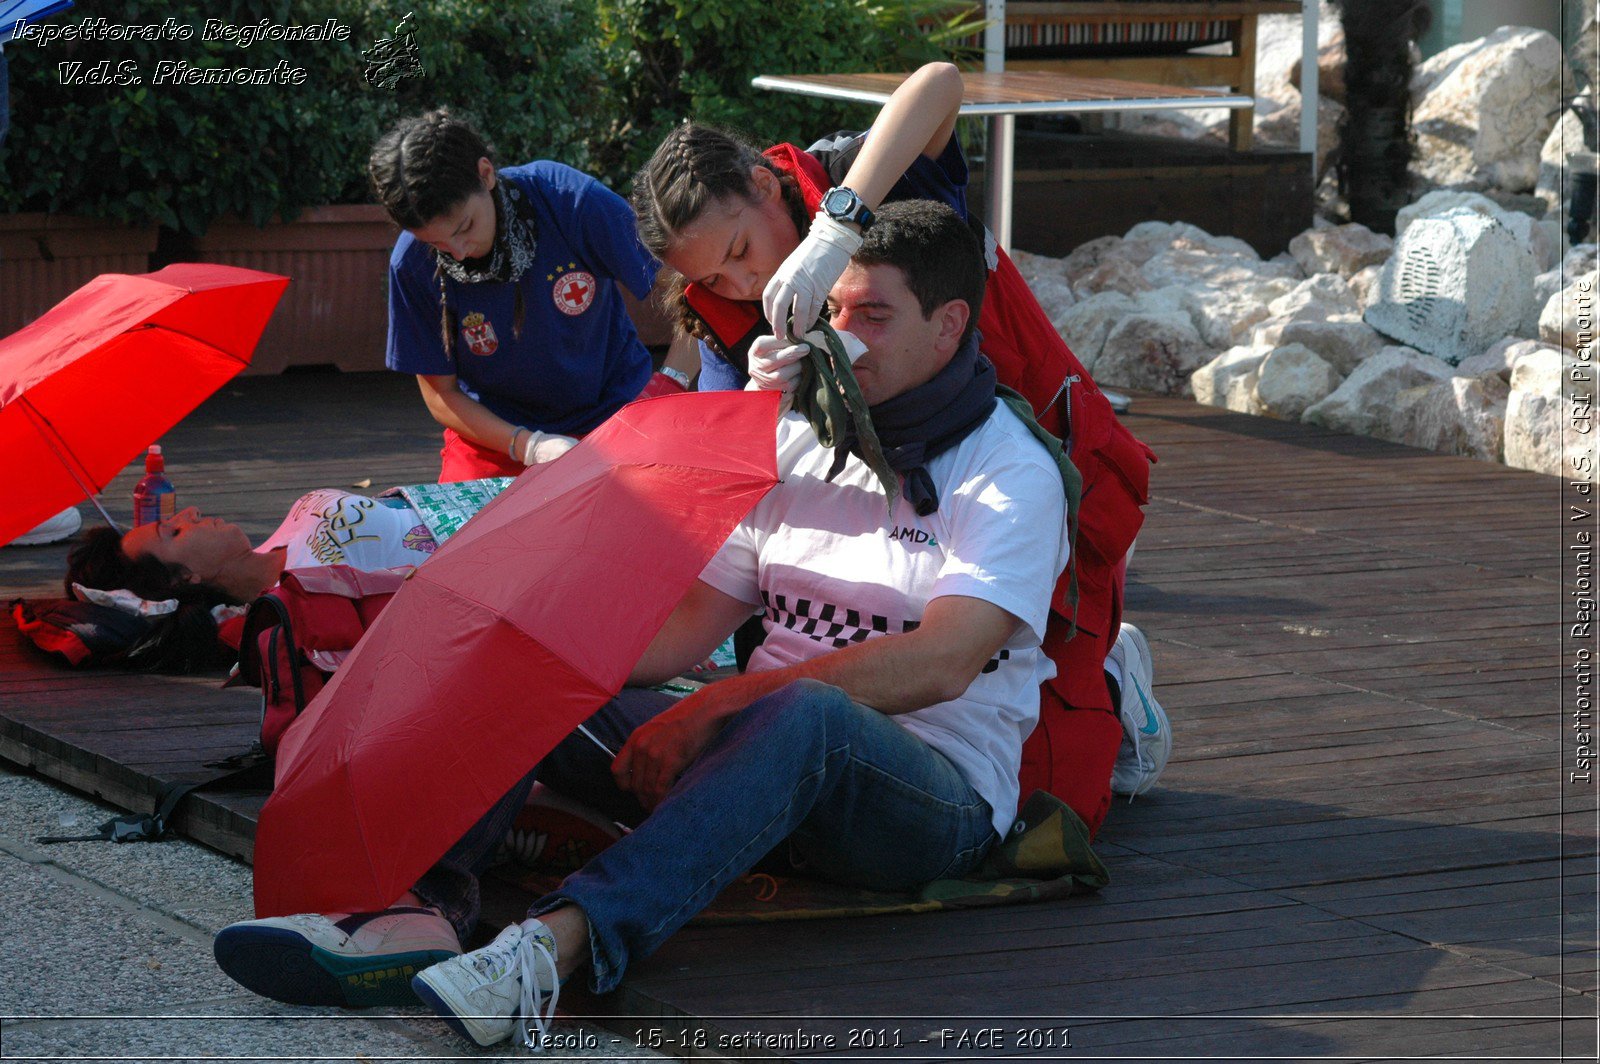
1364, 848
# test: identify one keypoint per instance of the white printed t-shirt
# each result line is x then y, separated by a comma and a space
830, 566
333, 527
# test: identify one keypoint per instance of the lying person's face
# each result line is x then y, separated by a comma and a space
736, 244
465, 231
904, 347
204, 546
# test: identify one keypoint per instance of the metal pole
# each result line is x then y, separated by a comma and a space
1308, 82
1001, 130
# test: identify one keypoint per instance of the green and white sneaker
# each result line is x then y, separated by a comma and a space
508, 987
355, 960
1146, 731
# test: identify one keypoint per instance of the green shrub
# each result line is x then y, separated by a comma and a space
592, 83
184, 155
675, 59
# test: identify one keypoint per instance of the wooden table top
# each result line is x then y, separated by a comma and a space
1012, 92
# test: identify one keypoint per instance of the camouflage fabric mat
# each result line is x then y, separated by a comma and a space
1046, 856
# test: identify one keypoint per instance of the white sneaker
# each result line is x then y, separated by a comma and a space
1146, 731
355, 960
59, 527
508, 986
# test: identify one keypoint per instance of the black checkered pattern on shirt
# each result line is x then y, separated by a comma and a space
839, 626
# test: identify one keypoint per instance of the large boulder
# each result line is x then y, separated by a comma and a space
1373, 400
1281, 129
1225, 316
1343, 344
1113, 274
1147, 239
1364, 285
1500, 359
1456, 284
1565, 138
1229, 380
1546, 432
1486, 109
1543, 246
1341, 249
1192, 266
1290, 379
1323, 297
1153, 352
1083, 259
1461, 415
1085, 326
1568, 318
1053, 293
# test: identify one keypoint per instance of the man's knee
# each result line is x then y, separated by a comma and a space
804, 706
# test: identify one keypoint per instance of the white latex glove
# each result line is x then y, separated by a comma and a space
775, 365
803, 281
545, 447
854, 346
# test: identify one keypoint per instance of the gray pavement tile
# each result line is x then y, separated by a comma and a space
182, 878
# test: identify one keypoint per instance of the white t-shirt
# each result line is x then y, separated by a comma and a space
830, 566
333, 527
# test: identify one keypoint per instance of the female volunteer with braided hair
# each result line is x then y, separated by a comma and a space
503, 296
761, 237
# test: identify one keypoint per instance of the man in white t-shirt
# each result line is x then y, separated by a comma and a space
879, 727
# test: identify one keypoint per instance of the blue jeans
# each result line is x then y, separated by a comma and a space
859, 799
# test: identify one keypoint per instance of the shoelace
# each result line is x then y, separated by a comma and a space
533, 1021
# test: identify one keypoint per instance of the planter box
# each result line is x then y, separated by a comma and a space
335, 311
45, 257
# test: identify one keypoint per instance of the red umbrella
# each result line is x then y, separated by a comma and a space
102, 374
514, 632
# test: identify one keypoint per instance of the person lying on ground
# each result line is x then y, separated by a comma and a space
762, 237
877, 733
504, 296
204, 562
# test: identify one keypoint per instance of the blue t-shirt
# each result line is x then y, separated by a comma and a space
943, 179
578, 357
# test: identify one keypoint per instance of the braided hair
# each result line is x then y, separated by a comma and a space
424, 168
693, 168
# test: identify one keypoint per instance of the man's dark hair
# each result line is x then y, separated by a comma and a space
938, 253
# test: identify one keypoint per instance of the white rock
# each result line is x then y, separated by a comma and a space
1499, 359
1229, 380
1546, 432
1086, 325
1341, 249
1320, 298
1033, 267
1344, 345
1529, 233
1281, 129
1153, 352
1086, 256
1053, 293
1290, 379
1566, 137
1112, 275
1462, 415
1487, 114
1225, 316
1191, 266
1371, 401
1147, 239
1455, 284
1568, 318
1364, 285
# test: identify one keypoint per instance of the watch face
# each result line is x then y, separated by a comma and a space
837, 202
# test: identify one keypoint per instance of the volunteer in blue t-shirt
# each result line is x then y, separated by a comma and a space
503, 296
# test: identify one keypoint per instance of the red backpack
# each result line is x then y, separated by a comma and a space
295, 636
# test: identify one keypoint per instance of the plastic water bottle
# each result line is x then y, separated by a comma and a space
154, 499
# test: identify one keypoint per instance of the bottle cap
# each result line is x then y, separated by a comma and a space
153, 462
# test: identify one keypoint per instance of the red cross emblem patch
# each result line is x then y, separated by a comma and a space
479, 334
574, 292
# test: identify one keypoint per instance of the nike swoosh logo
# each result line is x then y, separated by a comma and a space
1151, 726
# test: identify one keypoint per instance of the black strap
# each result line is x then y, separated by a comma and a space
152, 827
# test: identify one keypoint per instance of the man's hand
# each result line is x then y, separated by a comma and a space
659, 750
